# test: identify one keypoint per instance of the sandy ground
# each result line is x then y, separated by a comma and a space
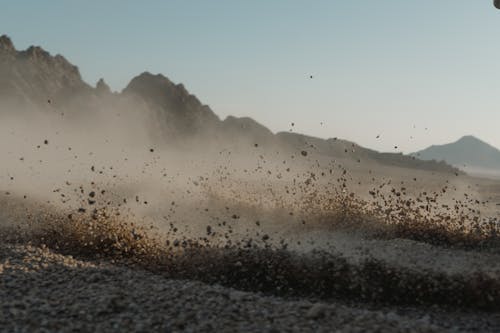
44, 290
41, 291
404, 253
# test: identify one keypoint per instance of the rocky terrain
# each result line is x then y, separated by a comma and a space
143, 211
44, 291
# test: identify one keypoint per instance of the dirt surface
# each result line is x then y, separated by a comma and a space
41, 291
242, 252
243, 238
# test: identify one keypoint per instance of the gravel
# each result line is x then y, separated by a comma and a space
42, 291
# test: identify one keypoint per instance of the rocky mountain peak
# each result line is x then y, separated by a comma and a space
102, 87
159, 90
35, 53
146, 81
6, 44
180, 110
34, 76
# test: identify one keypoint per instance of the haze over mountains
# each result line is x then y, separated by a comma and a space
468, 153
35, 80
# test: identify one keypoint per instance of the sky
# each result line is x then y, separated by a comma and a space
414, 72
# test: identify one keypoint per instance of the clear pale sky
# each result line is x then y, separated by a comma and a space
388, 67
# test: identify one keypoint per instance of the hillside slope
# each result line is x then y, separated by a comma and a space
467, 152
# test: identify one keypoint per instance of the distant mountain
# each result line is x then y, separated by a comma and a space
468, 153
35, 79
335, 147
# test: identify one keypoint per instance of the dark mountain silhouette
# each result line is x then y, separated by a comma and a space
102, 88
177, 110
467, 152
33, 76
34, 79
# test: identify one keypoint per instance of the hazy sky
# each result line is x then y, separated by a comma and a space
388, 67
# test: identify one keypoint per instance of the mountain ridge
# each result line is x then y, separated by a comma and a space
466, 152
35, 78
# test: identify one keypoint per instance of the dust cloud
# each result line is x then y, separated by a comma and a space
99, 182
